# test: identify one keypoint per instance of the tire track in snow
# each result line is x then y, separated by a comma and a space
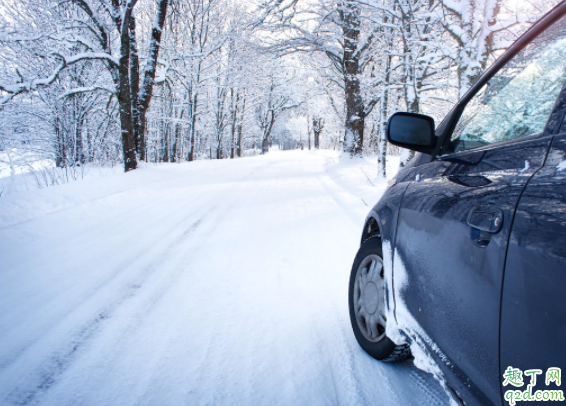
218, 351
58, 363
93, 235
346, 360
331, 189
134, 257
102, 197
209, 354
269, 344
338, 393
212, 355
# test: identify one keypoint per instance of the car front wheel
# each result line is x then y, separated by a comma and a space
367, 302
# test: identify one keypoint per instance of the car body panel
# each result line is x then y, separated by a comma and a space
533, 314
454, 284
384, 213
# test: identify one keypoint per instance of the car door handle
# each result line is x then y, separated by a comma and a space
488, 219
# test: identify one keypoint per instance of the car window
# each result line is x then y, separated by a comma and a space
518, 100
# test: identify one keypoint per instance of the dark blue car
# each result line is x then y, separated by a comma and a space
465, 254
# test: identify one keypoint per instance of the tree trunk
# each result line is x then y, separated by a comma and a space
80, 144
166, 143
317, 127
473, 61
135, 87
384, 116
176, 143
128, 143
241, 124
267, 133
193, 133
265, 145
234, 119
354, 134
60, 158
124, 97
239, 150
146, 90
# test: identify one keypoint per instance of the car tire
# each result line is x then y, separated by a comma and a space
367, 303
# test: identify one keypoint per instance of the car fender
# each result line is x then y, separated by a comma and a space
381, 221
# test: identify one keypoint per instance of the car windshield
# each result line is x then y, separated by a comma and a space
518, 100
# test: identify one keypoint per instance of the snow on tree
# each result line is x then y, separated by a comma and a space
99, 32
125, 80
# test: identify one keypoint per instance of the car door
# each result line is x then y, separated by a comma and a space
533, 315
456, 215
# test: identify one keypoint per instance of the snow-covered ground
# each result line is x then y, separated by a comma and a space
23, 171
204, 283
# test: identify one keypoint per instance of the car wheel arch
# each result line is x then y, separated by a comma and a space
372, 228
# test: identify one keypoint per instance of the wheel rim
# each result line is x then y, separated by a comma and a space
369, 298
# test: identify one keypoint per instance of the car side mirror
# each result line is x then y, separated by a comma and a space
413, 131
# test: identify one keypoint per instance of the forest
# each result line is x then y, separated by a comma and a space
118, 82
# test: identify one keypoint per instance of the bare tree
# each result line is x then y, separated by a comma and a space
91, 39
317, 127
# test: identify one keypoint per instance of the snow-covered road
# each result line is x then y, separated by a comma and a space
206, 283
